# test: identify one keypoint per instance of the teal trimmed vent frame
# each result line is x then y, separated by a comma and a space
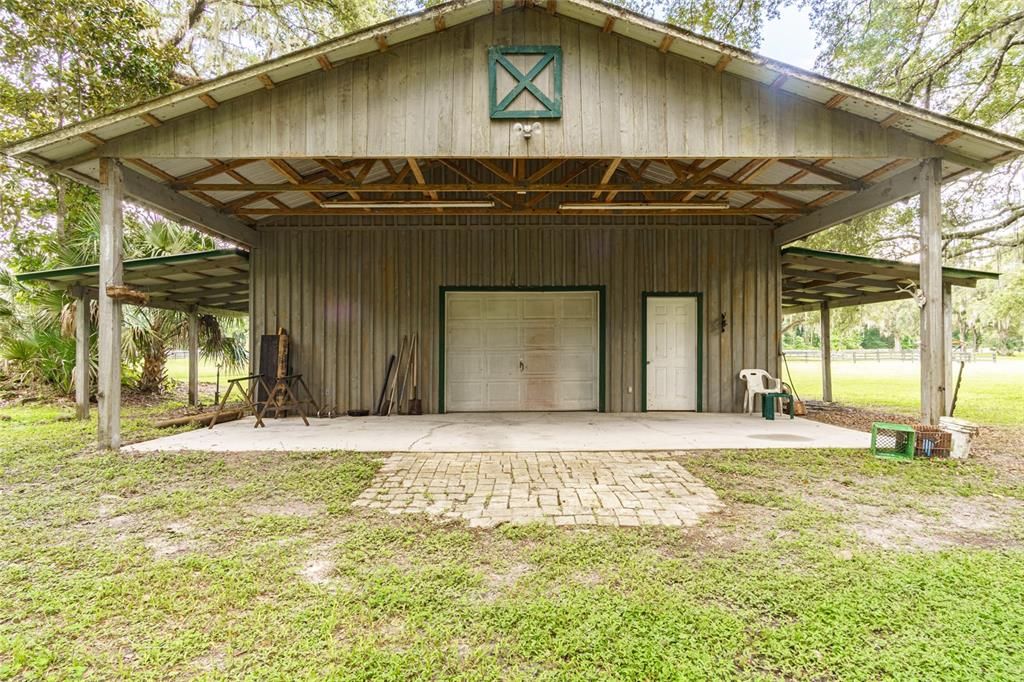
549, 55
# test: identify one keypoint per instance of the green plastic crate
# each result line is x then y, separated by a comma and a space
893, 441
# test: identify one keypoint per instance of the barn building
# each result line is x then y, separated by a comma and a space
573, 207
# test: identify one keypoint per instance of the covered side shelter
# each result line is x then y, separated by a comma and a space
573, 206
214, 282
823, 280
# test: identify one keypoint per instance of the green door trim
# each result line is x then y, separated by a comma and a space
601, 329
700, 341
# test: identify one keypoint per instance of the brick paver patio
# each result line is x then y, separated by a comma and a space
563, 488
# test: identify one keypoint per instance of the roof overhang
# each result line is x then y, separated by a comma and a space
236, 196
811, 278
215, 281
969, 145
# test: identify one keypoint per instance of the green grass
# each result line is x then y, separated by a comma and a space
780, 586
177, 369
991, 393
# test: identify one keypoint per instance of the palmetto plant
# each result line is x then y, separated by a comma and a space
37, 323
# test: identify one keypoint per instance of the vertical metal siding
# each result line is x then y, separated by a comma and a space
347, 296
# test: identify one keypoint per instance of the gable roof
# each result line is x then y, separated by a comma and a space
967, 145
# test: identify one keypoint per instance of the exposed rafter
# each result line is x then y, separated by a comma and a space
897, 188
339, 209
527, 186
638, 185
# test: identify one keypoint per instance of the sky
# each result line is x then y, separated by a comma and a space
790, 38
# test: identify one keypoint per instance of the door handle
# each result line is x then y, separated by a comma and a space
522, 365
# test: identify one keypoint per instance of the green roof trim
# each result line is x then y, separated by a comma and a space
958, 273
196, 256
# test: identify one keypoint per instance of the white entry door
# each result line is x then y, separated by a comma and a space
672, 353
521, 351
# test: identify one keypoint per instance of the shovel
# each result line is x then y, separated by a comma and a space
415, 404
389, 403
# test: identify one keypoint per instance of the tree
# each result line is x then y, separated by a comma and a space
965, 59
223, 35
739, 23
216, 36
961, 58
1004, 314
36, 321
62, 61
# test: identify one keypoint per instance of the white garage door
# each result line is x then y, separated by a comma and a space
520, 351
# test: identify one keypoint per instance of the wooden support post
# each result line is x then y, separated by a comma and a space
947, 338
193, 358
933, 349
111, 273
82, 355
826, 353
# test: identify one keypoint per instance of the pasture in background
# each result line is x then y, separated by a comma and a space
991, 392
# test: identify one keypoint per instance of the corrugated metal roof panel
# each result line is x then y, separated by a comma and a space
186, 285
811, 277
180, 167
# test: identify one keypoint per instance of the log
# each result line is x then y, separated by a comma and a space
125, 294
199, 419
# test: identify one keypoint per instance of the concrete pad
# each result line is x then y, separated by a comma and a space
514, 432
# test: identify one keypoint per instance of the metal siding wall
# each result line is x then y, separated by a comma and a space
347, 296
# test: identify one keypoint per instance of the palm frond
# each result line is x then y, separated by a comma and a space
37, 322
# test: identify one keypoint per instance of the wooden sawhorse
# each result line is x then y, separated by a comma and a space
283, 387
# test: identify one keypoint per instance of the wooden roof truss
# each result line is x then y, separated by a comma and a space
775, 190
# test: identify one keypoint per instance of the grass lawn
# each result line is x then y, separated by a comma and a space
824, 565
177, 369
991, 393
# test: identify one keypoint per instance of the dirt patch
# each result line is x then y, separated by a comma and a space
872, 509
318, 571
108, 517
856, 418
321, 569
935, 524
393, 633
999, 446
296, 508
108, 504
498, 581
1002, 447
212, 661
901, 532
1005, 439
164, 547
176, 539
108, 511
120, 522
587, 578
737, 527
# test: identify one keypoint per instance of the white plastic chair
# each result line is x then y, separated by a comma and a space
759, 382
